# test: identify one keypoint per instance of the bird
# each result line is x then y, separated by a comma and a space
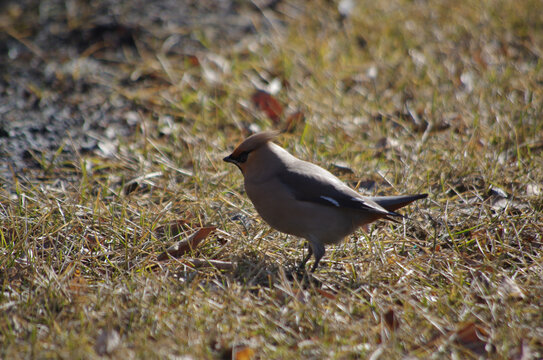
300, 198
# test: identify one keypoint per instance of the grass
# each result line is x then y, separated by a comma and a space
437, 97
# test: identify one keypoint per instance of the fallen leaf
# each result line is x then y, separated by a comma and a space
191, 60
245, 353
326, 294
391, 320
78, 285
182, 247
293, 120
268, 104
473, 337
469, 335
238, 352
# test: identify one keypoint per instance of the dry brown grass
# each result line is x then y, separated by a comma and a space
415, 96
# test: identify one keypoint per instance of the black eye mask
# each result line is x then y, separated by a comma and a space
240, 159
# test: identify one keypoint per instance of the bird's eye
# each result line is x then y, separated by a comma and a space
242, 157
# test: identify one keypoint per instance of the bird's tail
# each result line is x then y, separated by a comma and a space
392, 203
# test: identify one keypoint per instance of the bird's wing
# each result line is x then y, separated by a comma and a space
309, 182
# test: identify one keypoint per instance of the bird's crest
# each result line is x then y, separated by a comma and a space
253, 142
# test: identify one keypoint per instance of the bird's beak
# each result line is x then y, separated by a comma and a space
233, 161
229, 159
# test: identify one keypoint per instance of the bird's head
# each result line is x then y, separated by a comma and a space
244, 154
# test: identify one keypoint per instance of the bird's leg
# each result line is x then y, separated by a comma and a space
318, 250
306, 259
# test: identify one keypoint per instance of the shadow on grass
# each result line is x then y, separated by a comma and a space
254, 270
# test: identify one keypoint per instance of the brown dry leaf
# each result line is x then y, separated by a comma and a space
469, 335
391, 320
378, 338
326, 294
78, 284
473, 337
188, 244
191, 60
268, 104
238, 352
293, 120
245, 353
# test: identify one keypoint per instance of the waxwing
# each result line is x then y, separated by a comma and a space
302, 199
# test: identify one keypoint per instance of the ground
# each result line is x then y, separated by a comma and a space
124, 234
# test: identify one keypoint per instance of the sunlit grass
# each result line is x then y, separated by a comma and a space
413, 96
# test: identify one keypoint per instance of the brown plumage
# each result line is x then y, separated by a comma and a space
253, 142
300, 198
